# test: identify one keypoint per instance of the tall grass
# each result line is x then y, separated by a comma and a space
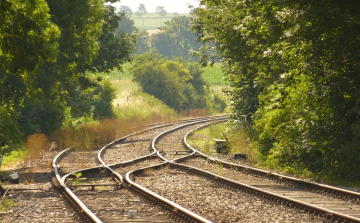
36, 145
87, 137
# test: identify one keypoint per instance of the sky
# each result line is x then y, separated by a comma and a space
179, 6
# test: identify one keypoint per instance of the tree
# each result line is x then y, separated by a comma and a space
45, 49
127, 25
142, 44
27, 39
141, 11
175, 38
162, 12
127, 10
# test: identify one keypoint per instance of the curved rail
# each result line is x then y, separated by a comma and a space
289, 181
90, 215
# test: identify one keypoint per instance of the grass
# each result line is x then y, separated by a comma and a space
116, 74
139, 104
14, 158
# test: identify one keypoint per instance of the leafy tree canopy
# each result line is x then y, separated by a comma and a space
127, 10
161, 11
294, 70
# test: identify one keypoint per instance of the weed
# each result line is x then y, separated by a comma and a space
6, 204
219, 169
103, 188
78, 179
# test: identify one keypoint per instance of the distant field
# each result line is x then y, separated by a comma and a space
151, 21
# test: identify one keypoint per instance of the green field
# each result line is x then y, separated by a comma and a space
214, 76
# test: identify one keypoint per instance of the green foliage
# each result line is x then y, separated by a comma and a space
27, 39
175, 38
294, 72
143, 105
161, 11
45, 48
116, 74
115, 47
9, 129
103, 95
14, 155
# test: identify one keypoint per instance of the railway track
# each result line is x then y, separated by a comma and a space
185, 185
102, 197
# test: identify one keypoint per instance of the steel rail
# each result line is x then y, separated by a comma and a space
230, 184
290, 181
